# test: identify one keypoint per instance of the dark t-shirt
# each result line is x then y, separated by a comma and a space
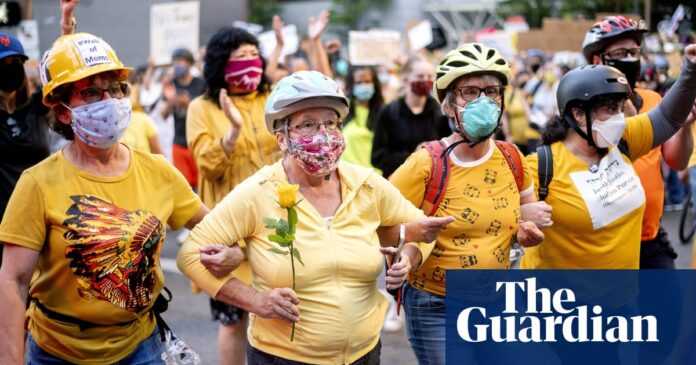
194, 89
398, 132
23, 143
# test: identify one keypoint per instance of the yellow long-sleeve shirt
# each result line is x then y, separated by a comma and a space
206, 124
340, 307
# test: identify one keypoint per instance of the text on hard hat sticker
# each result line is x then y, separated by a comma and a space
92, 51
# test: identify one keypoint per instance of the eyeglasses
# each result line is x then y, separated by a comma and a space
471, 93
94, 94
310, 127
623, 53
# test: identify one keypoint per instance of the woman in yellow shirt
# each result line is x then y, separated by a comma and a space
482, 193
596, 197
229, 142
340, 209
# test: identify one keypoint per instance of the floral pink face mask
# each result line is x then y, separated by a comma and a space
318, 153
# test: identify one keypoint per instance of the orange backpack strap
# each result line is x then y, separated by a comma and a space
439, 177
512, 156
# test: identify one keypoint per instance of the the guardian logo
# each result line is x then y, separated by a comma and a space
552, 318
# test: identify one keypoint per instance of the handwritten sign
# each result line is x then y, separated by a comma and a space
172, 26
374, 47
611, 192
92, 51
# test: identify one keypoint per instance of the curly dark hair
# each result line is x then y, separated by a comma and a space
376, 102
217, 53
555, 130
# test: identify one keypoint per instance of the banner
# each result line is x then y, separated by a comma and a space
172, 26
374, 47
570, 317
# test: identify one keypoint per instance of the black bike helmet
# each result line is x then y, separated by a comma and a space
580, 86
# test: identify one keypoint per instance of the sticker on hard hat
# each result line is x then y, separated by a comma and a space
92, 51
622, 80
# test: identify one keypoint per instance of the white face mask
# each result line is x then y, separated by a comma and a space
610, 131
103, 123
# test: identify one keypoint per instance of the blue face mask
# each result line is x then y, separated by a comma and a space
363, 92
480, 117
180, 71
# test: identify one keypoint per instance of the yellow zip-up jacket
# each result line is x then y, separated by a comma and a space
341, 309
206, 124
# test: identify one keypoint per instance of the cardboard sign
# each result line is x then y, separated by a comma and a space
374, 47
172, 26
267, 41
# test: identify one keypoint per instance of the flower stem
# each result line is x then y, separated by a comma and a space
292, 264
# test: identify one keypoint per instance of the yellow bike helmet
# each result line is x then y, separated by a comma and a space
74, 57
469, 59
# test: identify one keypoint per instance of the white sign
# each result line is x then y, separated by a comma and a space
252, 28
374, 47
420, 35
92, 51
28, 35
500, 40
172, 26
611, 192
267, 41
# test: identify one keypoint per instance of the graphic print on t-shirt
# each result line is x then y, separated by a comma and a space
112, 251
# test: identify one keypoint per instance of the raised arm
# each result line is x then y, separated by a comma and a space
67, 21
317, 54
274, 59
674, 109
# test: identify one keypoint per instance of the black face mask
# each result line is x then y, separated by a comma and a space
535, 68
11, 77
629, 68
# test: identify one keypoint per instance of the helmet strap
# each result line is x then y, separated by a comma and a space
587, 133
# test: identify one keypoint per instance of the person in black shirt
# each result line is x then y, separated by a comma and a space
188, 87
23, 126
408, 121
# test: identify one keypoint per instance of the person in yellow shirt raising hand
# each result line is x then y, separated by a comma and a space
336, 304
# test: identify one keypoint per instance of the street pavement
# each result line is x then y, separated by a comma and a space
189, 314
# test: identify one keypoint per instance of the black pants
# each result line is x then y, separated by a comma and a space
258, 357
657, 253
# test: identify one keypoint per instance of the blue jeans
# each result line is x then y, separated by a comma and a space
148, 352
425, 325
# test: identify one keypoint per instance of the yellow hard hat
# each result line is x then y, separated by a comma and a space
74, 57
469, 59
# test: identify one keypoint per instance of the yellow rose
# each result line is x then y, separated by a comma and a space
287, 194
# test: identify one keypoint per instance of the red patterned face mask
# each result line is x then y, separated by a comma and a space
244, 74
318, 153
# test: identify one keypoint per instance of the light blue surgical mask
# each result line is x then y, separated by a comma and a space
480, 117
363, 92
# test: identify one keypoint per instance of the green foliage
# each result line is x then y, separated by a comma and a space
346, 13
535, 10
262, 11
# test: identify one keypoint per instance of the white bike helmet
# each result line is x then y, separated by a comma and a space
304, 90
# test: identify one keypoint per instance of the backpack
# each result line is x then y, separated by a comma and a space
545, 166
439, 175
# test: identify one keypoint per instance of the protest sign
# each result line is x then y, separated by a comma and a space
172, 26
374, 47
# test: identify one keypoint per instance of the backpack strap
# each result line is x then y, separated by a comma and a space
545, 166
623, 147
512, 156
439, 177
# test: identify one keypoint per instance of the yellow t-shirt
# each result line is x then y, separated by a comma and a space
99, 240
574, 241
206, 124
139, 132
483, 197
341, 309
359, 140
